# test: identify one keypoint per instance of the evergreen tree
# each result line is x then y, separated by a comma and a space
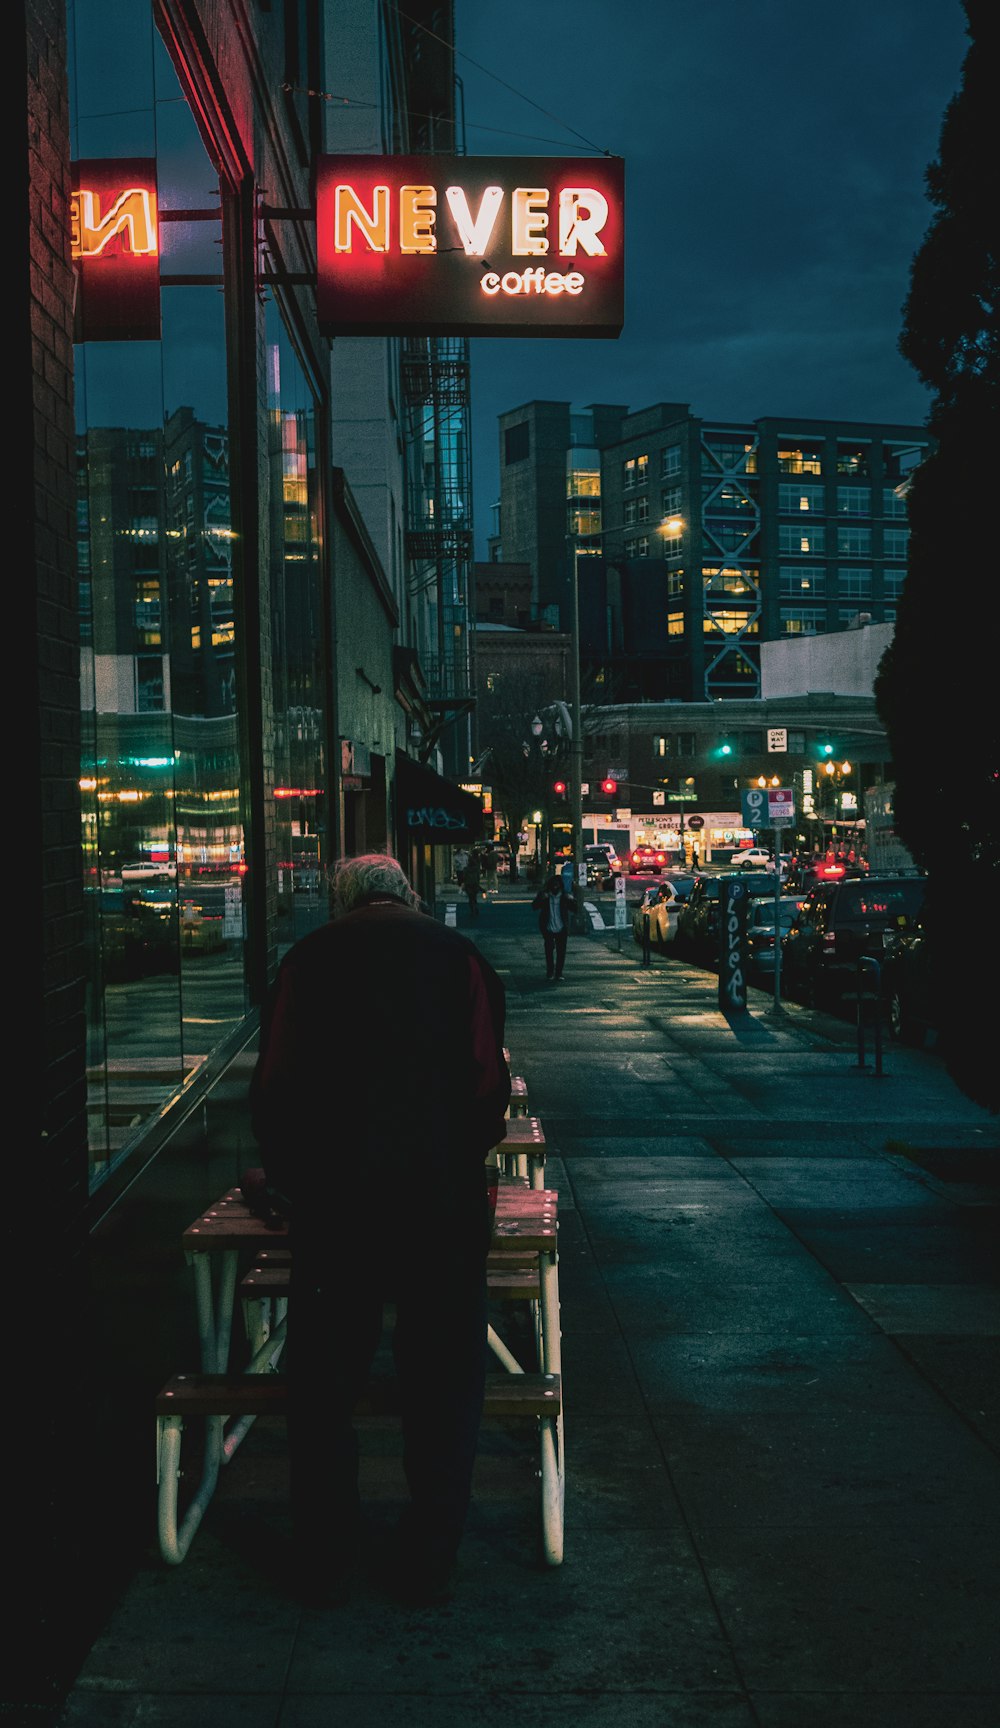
937, 685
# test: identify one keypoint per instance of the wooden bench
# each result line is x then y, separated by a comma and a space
522, 1151
518, 1105
221, 1398
523, 1263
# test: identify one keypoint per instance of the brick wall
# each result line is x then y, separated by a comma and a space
45, 1167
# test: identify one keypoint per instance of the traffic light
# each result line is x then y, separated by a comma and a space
559, 788
610, 787
825, 748
725, 747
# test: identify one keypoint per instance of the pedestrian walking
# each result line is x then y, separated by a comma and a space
554, 908
461, 859
472, 883
490, 870
391, 1015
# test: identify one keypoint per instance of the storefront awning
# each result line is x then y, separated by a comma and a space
432, 810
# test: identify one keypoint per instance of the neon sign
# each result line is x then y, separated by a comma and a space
115, 245
470, 245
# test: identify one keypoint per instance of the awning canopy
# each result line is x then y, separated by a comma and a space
433, 810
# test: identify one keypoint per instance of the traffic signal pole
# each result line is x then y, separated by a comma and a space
576, 745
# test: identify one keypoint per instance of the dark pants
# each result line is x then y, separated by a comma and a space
555, 952
440, 1352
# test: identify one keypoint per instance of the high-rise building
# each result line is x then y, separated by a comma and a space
711, 537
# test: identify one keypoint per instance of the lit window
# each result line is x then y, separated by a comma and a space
802, 620
801, 579
799, 499
800, 459
809, 537
675, 623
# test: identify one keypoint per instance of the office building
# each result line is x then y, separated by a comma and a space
707, 538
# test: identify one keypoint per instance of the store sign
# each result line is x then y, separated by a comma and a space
115, 246
470, 245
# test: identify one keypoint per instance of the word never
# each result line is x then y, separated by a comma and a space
581, 214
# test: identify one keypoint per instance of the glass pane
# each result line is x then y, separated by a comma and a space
299, 635
162, 826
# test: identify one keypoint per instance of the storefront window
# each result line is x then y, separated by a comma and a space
163, 826
299, 633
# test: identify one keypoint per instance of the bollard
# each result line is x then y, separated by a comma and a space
868, 960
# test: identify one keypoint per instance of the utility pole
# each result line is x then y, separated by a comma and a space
576, 745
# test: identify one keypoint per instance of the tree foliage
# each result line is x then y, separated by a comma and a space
937, 682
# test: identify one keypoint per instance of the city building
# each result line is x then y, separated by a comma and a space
703, 539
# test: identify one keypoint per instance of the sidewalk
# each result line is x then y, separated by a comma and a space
780, 1343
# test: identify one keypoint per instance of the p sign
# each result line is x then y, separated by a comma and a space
756, 813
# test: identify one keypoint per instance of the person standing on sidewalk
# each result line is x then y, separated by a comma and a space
387, 1016
472, 883
490, 870
461, 859
555, 909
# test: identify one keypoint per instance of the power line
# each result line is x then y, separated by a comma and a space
418, 25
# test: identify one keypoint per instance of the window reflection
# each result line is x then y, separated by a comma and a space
299, 633
160, 773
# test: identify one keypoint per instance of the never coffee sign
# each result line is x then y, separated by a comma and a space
470, 245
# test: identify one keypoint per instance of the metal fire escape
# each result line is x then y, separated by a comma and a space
731, 594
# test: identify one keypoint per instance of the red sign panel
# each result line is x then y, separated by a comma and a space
115, 242
470, 245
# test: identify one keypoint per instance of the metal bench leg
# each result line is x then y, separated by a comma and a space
174, 1542
502, 1353
553, 1490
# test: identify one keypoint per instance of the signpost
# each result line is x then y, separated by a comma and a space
621, 910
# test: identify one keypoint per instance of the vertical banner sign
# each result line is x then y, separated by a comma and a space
733, 900
115, 245
470, 245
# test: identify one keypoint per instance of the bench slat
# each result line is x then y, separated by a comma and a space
267, 1395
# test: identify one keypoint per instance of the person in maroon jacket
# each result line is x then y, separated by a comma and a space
379, 1089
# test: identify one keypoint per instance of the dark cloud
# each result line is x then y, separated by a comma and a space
775, 157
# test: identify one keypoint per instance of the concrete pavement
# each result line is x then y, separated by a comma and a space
780, 1339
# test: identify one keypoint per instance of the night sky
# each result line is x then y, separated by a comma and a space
774, 154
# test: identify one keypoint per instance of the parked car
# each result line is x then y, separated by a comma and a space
697, 933
148, 870
907, 983
753, 858
839, 922
661, 904
763, 925
137, 933
649, 858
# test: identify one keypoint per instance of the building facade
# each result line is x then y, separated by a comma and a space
712, 538
237, 667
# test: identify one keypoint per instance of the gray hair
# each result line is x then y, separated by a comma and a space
352, 879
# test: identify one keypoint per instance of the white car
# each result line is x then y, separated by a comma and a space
754, 858
145, 870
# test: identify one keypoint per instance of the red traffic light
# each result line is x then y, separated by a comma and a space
609, 785
559, 788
